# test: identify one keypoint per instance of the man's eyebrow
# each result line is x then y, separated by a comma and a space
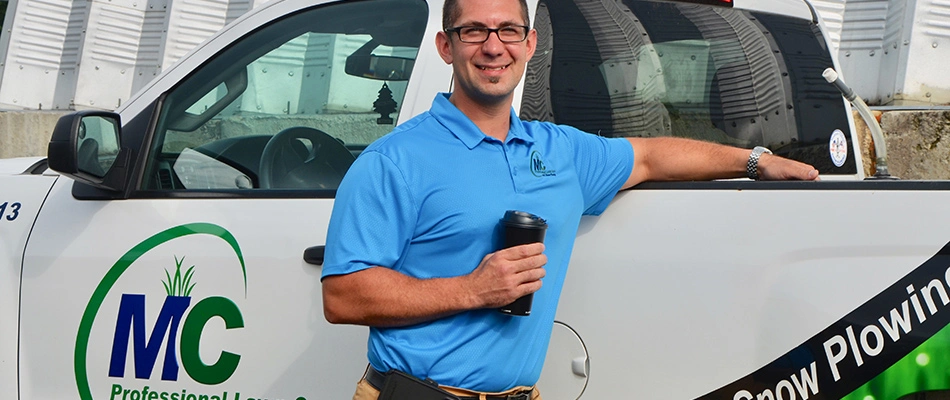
482, 25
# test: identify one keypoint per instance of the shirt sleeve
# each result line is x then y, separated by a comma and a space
603, 165
373, 217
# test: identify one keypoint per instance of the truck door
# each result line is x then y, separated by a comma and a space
195, 287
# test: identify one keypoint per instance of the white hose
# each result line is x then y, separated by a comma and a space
877, 135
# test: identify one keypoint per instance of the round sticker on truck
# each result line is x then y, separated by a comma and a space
838, 147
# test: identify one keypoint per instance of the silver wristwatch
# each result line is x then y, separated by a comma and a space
752, 167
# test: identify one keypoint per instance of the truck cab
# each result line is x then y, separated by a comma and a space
173, 250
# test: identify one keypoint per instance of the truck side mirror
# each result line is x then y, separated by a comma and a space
86, 146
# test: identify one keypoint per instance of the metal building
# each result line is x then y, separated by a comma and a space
892, 51
94, 54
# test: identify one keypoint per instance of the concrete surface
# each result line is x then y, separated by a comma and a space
26, 133
918, 144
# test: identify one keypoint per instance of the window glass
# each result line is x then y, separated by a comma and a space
290, 105
647, 68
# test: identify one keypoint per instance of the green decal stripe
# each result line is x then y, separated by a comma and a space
120, 266
926, 368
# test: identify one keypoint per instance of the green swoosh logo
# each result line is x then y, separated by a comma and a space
119, 268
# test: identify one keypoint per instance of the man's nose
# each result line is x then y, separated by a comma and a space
493, 45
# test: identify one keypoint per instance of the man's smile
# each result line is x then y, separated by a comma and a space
493, 68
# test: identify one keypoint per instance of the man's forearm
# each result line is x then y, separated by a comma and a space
668, 159
382, 297
678, 159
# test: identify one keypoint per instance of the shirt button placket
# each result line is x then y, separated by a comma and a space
512, 166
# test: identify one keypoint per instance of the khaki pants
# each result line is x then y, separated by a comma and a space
365, 391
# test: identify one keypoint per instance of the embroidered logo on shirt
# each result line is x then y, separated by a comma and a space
537, 166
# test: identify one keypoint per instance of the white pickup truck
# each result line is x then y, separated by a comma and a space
172, 250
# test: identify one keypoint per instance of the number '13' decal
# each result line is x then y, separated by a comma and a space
13, 212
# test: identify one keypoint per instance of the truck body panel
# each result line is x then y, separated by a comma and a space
276, 295
719, 299
21, 199
178, 257
18, 165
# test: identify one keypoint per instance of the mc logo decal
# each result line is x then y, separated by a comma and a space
132, 319
537, 166
177, 310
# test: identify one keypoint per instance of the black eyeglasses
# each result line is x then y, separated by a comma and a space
479, 34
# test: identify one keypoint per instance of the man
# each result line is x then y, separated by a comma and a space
412, 244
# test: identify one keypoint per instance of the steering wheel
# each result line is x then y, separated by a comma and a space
288, 164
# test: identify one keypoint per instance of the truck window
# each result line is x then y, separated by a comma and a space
290, 105
648, 68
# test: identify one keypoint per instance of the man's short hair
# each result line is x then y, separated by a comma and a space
451, 12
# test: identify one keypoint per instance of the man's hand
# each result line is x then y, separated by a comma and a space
774, 168
505, 275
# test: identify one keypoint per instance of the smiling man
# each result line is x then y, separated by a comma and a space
412, 247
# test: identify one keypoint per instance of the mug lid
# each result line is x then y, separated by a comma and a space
523, 218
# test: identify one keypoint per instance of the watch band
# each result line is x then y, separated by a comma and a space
752, 167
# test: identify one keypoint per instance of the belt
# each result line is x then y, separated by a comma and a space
376, 380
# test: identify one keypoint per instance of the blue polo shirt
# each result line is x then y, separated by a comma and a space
426, 200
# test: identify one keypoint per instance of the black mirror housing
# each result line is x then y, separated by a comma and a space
86, 147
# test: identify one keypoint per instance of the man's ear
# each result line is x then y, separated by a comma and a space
531, 43
444, 44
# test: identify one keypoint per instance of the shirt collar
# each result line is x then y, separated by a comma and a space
465, 130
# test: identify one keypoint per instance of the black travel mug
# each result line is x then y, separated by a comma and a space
521, 228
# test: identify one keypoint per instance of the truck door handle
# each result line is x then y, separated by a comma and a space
314, 255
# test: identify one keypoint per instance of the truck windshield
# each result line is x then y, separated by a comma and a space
646, 68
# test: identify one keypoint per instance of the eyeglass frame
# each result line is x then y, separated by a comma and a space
496, 31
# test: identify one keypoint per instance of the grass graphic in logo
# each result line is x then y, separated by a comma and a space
177, 286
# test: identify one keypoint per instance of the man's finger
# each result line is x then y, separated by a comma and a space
532, 274
522, 251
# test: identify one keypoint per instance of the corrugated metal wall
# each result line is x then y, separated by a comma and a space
59, 54
926, 72
892, 51
42, 41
